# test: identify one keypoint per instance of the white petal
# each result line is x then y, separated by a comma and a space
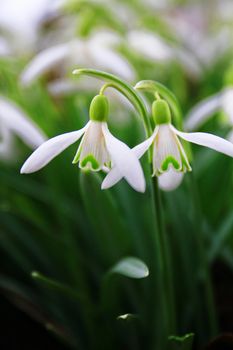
207, 140
202, 112
17, 121
114, 175
150, 45
112, 178
44, 61
50, 149
125, 160
170, 180
140, 149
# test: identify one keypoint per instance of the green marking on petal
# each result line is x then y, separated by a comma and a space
170, 160
90, 162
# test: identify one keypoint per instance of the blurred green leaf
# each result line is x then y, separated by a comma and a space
181, 343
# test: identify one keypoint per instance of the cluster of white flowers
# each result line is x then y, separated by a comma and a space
100, 150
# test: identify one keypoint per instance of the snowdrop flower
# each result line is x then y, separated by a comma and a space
14, 121
169, 159
206, 109
96, 52
98, 149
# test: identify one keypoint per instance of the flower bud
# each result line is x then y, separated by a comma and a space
161, 112
99, 108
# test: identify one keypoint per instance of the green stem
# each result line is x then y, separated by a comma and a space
204, 270
158, 285
168, 280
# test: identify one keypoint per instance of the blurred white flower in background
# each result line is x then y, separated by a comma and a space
149, 44
154, 47
205, 109
21, 20
195, 26
14, 122
97, 52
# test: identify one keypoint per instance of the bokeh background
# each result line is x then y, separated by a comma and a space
60, 235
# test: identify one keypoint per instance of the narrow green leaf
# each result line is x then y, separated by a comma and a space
131, 267
57, 286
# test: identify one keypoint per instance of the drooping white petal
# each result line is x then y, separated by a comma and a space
142, 147
18, 122
170, 180
44, 61
207, 140
114, 174
202, 112
50, 149
125, 160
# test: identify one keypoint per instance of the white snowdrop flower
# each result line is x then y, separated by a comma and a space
13, 121
98, 149
96, 52
169, 159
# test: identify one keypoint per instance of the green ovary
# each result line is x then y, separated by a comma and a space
170, 160
89, 162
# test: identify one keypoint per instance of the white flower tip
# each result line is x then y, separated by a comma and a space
104, 186
140, 186
76, 71
24, 170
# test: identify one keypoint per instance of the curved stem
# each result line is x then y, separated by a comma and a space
124, 88
157, 88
